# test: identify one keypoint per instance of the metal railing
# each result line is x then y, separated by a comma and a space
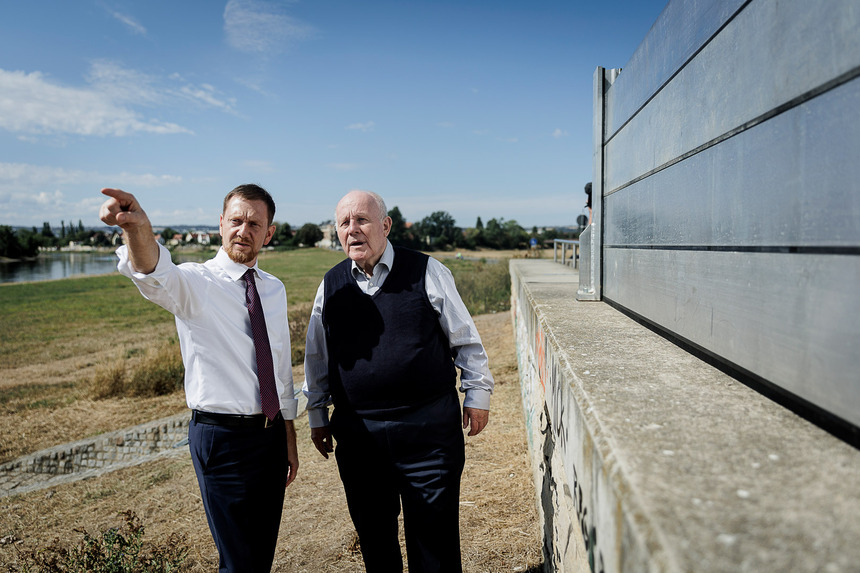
565, 245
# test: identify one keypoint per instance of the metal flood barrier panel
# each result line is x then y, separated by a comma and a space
727, 194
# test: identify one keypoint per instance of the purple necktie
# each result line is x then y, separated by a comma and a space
265, 368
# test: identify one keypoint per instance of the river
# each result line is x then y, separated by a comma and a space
61, 265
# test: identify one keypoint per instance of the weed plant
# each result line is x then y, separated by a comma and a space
116, 550
160, 371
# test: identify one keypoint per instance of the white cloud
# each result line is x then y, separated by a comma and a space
446, 124
130, 23
261, 27
33, 104
559, 133
125, 86
21, 178
32, 193
366, 126
208, 95
133, 87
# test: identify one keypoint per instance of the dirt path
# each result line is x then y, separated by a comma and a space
499, 527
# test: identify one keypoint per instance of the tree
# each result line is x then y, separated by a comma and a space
168, 234
397, 236
283, 234
501, 234
309, 235
14, 247
400, 235
438, 231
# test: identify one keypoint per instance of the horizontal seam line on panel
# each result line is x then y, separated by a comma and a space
680, 68
778, 110
787, 249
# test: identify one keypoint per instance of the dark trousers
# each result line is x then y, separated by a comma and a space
415, 458
242, 474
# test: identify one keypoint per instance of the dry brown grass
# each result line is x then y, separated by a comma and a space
499, 526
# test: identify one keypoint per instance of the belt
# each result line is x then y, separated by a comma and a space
235, 420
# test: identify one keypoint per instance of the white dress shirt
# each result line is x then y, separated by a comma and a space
208, 301
469, 354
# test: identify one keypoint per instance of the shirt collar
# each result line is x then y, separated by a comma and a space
235, 270
386, 259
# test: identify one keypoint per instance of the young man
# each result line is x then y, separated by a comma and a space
238, 376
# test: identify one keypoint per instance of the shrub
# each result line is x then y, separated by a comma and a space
159, 371
108, 381
116, 550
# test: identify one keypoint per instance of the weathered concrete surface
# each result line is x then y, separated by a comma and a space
648, 459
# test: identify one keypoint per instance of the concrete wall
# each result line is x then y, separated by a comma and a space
726, 218
727, 192
648, 459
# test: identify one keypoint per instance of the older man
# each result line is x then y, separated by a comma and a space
235, 340
387, 332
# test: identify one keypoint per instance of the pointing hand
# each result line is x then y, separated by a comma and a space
122, 210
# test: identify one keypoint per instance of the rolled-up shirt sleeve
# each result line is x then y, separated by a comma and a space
470, 357
316, 387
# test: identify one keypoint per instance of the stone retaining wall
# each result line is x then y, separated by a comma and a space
92, 455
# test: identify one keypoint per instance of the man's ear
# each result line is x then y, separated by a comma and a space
270, 232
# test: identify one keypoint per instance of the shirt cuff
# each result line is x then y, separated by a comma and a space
318, 417
477, 398
125, 268
290, 408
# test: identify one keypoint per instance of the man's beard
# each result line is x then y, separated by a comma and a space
241, 257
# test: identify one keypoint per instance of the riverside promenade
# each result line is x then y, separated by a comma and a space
646, 458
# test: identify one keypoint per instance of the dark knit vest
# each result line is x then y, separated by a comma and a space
387, 352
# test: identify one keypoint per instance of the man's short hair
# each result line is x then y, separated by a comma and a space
377, 200
251, 192
380, 204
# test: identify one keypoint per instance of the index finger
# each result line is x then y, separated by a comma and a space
118, 194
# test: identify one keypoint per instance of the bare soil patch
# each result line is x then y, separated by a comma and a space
499, 525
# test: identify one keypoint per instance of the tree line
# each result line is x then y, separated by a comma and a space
25, 243
437, 231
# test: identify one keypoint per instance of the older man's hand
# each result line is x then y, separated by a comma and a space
321, 437
475, 419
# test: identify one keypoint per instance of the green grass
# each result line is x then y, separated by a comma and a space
34, 396
484, 286
301, 270
53, 320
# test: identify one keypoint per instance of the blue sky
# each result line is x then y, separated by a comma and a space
474, 107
